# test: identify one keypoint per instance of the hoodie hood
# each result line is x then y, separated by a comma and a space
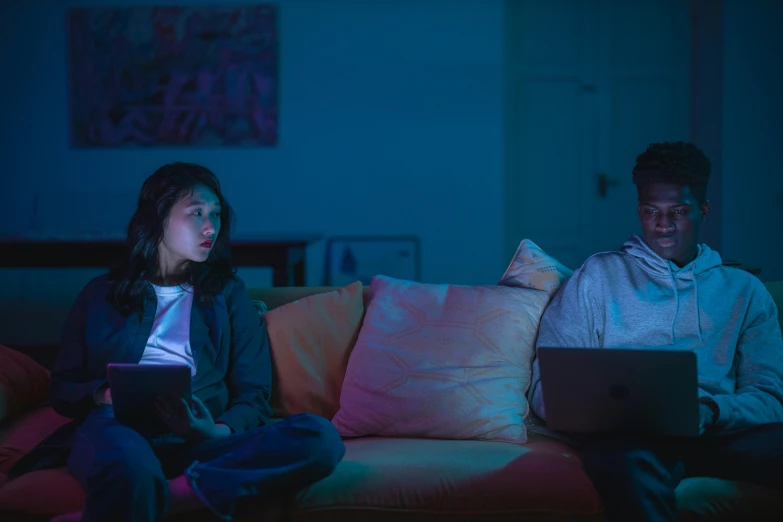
706, 259
637, 247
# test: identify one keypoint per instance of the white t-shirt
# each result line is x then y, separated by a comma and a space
169, 341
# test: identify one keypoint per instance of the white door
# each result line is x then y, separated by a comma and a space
644, 98
589, 84
550, 111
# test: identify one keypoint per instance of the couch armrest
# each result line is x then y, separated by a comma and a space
21, 433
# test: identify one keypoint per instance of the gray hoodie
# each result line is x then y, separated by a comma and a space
636, 299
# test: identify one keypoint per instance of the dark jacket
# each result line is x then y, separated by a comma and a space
230, 348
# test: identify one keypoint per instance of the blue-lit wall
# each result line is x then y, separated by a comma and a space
753, 134
390, 123
383, 130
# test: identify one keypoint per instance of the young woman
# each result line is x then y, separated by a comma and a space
177, 300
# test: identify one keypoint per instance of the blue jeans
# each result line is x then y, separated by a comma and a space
125, 475
636, 478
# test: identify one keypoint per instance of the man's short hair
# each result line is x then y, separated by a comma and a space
678, 163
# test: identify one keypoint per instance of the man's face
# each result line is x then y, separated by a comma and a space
671, 216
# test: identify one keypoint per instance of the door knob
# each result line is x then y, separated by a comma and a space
604, 182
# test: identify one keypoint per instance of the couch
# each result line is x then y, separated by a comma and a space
394, 478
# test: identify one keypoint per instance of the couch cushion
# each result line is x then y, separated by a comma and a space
23, 382
311, 340
20, 499
276, 296
531, 267
702, 498
24, 494
22, 433
775, 289
442, 362
384, 478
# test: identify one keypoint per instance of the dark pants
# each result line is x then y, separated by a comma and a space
636, 478
125, 475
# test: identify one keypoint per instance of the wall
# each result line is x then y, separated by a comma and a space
390, 124
752, 135
706, 105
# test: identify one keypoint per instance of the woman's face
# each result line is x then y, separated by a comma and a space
192, 228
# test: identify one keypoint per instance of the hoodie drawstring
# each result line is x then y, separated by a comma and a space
676, 300
649, 261
696, 299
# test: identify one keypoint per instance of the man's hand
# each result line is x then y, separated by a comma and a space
190, 421
706, 418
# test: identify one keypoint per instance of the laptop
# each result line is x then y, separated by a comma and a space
620, 391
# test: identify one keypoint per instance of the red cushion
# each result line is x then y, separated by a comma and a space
23, 382
22, 433
26, 494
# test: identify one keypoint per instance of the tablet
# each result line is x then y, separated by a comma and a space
134, 388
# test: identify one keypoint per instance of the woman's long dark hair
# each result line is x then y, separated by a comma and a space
159, 193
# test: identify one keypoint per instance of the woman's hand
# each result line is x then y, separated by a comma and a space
189, 421
103, 395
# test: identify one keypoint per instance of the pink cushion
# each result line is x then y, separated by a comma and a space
441, 361
62, 492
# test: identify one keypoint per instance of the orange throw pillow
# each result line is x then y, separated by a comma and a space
311, 339
23, 382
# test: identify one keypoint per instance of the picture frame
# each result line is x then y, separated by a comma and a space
360, 258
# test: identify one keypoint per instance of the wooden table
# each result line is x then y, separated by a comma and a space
285, 255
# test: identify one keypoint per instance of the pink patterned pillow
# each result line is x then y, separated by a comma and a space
531, 267
441, 361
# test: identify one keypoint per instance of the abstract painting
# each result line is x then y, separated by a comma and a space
173, 76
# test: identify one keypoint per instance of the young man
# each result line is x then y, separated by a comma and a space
663, 290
